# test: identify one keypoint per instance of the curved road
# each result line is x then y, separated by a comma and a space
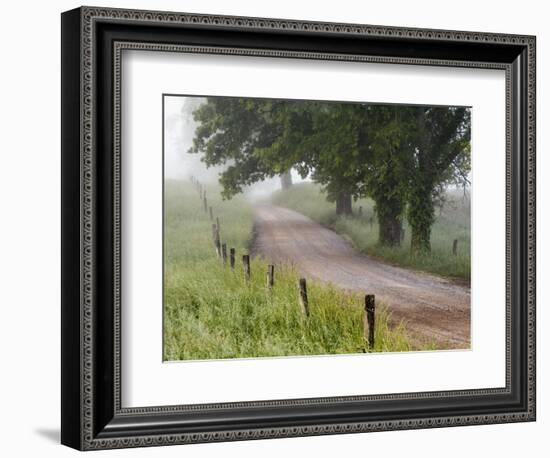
434, 309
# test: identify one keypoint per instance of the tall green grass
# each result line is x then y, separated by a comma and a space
211, 312
452, 222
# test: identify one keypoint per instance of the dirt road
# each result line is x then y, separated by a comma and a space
434, 309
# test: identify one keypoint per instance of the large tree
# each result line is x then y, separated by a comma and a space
412, 154
335, 140
440, 142
242, 134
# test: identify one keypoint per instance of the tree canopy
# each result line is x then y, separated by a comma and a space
401, 156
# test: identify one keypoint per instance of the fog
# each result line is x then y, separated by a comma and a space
179, 131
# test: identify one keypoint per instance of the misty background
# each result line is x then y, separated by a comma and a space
179, 164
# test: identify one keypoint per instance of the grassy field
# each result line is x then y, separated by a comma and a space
453, 222
211, 312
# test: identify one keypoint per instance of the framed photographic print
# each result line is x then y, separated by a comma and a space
277, 228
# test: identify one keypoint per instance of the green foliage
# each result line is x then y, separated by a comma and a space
441, 142
452, 221
210, 312
400, 156
247, 136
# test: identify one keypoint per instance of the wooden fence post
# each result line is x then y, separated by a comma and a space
455, 246
232, 258
216, 238
211, 215
368, 321
205, 203
224, 253
246, 265
302, 287
270, 276
214, 233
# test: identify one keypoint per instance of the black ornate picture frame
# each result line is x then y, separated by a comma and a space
92, 42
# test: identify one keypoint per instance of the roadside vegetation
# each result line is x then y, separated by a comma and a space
212, 312
452, 222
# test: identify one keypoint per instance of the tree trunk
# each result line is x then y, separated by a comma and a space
389, 229
421, 216
286, 179
420, 239
390, 226
343, 203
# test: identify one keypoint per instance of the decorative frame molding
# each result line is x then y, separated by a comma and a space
89, 55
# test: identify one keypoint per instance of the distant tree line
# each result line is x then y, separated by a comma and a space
403, 157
